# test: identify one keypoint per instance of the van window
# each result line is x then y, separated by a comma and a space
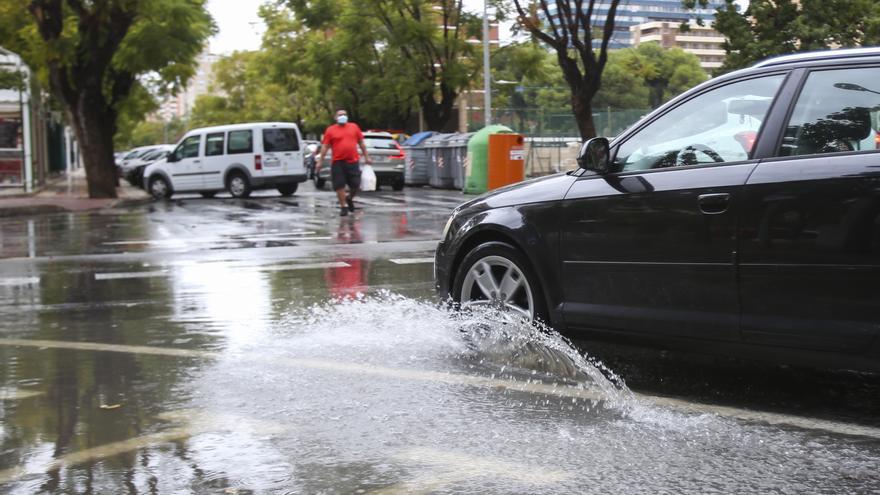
189, 148
275, 140
214, 144
240, 142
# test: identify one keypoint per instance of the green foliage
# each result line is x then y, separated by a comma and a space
775, 27
10, 79
663, 73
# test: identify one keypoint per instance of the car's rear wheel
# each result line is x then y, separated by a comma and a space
397, 185
238, 185
497, 275
287, 189
159, 188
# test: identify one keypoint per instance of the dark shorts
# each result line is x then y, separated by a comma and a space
343, 173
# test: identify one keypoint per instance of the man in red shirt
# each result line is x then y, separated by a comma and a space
343, 138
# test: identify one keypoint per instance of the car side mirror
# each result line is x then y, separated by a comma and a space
172, 157
595, 155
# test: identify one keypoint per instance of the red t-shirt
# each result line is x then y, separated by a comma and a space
344, 139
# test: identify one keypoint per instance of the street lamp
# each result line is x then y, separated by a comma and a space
487, 74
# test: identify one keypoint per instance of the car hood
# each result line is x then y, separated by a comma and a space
550, 188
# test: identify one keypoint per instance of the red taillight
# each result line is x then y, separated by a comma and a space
746, 139
258, 162
400, 154
877, 140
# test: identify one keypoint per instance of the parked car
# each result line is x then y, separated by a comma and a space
741, 217
311, 155
133, 170
132, 154
238, 158
388, 161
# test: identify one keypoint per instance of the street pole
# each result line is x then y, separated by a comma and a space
487, 74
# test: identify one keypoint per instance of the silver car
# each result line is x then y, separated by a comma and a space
388, 161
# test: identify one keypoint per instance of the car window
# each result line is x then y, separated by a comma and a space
277, 140
380, 143
214, 144
240, 142
716, 127
837, 111
189, 148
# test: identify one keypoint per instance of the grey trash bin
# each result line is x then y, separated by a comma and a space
418, 159
457, 149
439, 173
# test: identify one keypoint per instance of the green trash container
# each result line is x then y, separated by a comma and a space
477, 168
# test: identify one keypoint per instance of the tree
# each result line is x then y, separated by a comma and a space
401, 51
665, 72
570, 34
775, 27
93, 55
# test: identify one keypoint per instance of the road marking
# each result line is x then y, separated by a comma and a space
17, 394
196, 423
411, 261
127, 275
303, 266
16, 281
533, 387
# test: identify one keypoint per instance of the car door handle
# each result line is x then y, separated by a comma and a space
713, 204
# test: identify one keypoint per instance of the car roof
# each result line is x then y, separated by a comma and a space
244, 126
385, 135
823, 55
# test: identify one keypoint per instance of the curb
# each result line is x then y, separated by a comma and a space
33, 210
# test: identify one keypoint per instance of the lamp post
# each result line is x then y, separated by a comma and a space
487, 74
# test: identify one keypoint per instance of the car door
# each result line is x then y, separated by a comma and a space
186, 169
214, 162
282, 152
650, 247
810, 248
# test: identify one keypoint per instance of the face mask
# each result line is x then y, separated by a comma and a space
342, 119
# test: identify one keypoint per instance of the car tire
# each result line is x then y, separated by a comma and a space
397, 186
208, 194
319, 183
238, 185
506, 266
287, 189
159, 188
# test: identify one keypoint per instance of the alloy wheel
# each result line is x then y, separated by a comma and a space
495, 281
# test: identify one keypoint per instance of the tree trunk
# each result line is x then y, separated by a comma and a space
436, 115
95, 127
582, 107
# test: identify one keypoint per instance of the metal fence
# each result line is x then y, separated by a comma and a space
539, 122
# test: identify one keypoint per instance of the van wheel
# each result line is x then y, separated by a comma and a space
159, 188
288, 189
319, 183
497, 275
238, 185
208, 194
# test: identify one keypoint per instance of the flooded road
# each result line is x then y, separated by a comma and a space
200, 346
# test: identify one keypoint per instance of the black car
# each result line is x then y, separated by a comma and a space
742, 217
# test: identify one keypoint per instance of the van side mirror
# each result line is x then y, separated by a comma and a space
172, 157
595, 155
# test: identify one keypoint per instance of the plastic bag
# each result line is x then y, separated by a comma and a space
368, 179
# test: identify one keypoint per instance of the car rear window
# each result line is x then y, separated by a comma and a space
240, 142
380, 143
276, 140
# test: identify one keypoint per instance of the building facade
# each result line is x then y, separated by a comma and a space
180, 105
702, 41
634, 12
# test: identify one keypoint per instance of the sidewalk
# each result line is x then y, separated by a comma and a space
66, 193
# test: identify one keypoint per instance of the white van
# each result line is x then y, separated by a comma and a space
238, 158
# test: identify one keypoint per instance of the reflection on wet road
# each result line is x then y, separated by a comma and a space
268, 346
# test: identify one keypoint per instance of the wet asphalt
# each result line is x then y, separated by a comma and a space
267, 345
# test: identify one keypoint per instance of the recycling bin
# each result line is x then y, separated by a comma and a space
439, 173
418, 159
477, 173
456, 146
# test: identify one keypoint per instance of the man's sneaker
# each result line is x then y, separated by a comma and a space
343, 212
350, 203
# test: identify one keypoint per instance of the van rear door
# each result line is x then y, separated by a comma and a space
282, 152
